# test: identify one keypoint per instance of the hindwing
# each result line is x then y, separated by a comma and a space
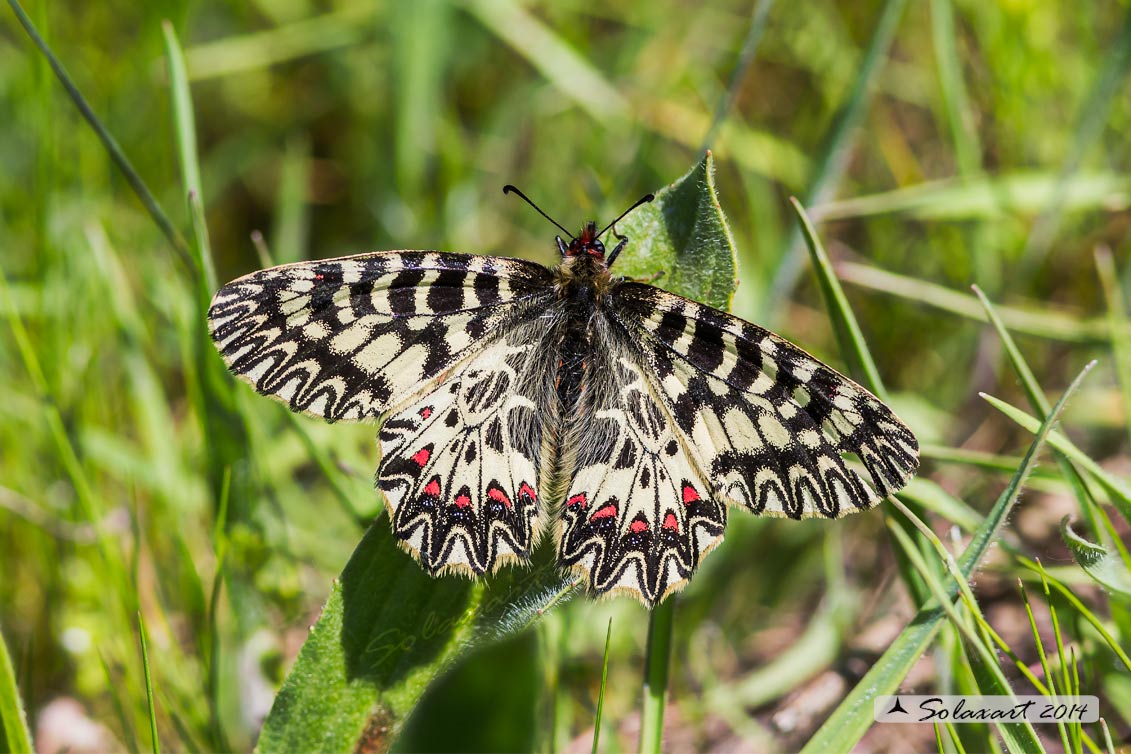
639, 513
460, 464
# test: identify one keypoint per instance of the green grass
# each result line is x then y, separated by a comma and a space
935, 145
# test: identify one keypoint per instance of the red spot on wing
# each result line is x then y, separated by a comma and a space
689, 494
421, 457
463, 501
525, 490
578, 500
432, 489
319, 276
607, 512
425, 412
670, 522
498, 495
637, 526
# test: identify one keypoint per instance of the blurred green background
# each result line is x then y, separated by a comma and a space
936, 143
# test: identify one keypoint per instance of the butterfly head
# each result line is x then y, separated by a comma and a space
586, 243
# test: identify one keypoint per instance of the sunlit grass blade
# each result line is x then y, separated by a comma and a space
1042, 324
1038, 573
1119, 330
657, 664
977, 647
13, 719
1118, 491
260, 49
745, 59
117, 155
861, 366
152, 706
983, 197
1092, 119
959, 117
183, 120
852, 718
544, 49
601, 691
1039, 403
834, 155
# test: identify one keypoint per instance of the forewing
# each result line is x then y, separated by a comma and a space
638, 515
350, 338
769, 424
460, 464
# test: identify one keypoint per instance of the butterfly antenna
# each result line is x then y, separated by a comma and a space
509, 189
642, 200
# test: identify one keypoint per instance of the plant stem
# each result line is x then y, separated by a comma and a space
658, 660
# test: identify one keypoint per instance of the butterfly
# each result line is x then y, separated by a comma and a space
516, 400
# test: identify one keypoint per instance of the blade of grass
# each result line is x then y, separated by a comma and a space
986, 670
963, 135
544, 49
656, 667
183, 121
220, 550
1092, 119
745, 59
13, 719
601, 692
851, 719
246, 52
861, 366
1113, 644
1039, 404
854, 349
1119, 330
1116, 488
1042, 324
1040, 647
834, 155
983, 197
117, 156
152, 708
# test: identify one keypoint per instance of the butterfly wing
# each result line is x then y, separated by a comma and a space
350, 338
461, 465
445, 348
639, 514
768, 422
695, 409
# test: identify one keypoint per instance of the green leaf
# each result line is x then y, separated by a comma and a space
1107, 569
14, 735
684, 235
386, 632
